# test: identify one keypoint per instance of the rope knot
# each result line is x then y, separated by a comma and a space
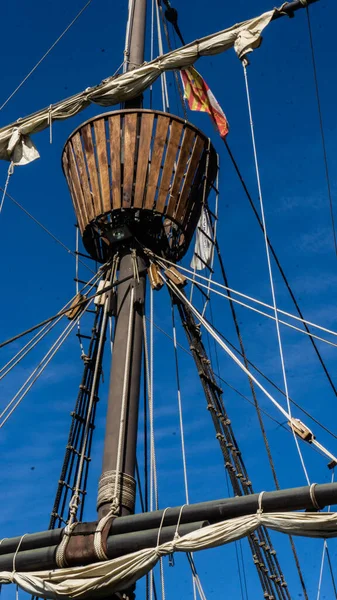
259, 511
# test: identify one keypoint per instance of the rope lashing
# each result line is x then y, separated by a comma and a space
313, 496
124, 494
304, 2
260, 509
15, 555
158, 552
60, 556
9, 174
98, 546
176, 533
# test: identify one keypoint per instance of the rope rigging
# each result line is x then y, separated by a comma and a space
292, 422
280, 268
268, 569
45, 54
35, 374
321, 127
258, 411
57, 240
326, 429
230, 291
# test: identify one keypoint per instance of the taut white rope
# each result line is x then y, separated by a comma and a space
272, 287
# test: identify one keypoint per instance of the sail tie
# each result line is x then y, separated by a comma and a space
259, 511
313, 496
9, 174
14, 558
159, 552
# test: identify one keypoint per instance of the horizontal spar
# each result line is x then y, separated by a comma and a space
40, 559
213, 511
290, 7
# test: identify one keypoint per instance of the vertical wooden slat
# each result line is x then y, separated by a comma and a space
115, 159
130, 130
76, 184
186, 147
143, 157
102, 161
78, 213
78, 151
92, 169
175, 135
157, 153
192, 167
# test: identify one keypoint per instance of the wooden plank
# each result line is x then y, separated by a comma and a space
92, 169
175, 135
115, 159
194, 160
78, 151
102, 161
143, 158
66, 168
157, 153
130, 131
76, 185
185, 150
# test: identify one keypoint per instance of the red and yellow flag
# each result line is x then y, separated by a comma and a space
200, 97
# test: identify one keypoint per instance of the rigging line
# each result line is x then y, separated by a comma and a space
44, 228
77, 240
242, 567
226, 348
251, 298
181, 424
35, 370
148, 360
128, 33
272, 289
327, 549
4, 190
38, 337
279, 266
195, 578
63, 312
326, 429
177, 79
17, 355
218, 376
46, 54
331, 571
231, 300
165, 100
325, 552
236, 552
74, 503
320, 119
259, 416
42, 365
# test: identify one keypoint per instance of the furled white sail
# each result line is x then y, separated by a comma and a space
243, 36
105, 578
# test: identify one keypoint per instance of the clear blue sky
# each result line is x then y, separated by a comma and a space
37, 274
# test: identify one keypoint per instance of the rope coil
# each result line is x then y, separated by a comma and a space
122, 494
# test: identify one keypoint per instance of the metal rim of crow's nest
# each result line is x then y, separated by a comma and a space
140, 174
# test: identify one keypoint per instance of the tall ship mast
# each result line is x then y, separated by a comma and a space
145, 185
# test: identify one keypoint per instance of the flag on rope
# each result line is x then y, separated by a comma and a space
200, 97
